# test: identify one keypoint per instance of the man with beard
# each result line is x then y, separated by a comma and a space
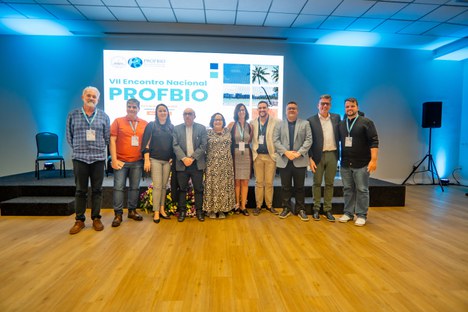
264, 158
359, 149
88, 133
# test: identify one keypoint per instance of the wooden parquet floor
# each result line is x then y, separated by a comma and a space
412, 258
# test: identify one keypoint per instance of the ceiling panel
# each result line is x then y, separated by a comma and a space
159, 15
290, 6
187, 4
250, 18
87, 2
220, 17
353, 8
443, 14
64, 12
365, 24
154, 3
460, 19
321, 7
418, 28
391, 26
337, 22
309, 21
414, 12
254, 6
128, 14
280, 19
31, 10
53, 2
222, 5
117, 3
384, 9
96, 13
189, 16
8, 12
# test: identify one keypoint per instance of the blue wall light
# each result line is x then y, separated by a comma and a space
35, 27
350, 39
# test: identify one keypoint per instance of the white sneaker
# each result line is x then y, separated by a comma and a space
221, 215
345, 218
212, 215
360, 222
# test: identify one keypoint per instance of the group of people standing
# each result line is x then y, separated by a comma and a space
219, 160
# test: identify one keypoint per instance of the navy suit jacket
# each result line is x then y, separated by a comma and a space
316, 149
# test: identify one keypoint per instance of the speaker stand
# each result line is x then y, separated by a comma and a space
430, 165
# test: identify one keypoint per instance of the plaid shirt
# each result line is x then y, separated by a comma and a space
83, 150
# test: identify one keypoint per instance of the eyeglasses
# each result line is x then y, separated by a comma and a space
325, 103
188, 114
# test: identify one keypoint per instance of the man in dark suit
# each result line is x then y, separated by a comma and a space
189, 142
323, 155
292, 138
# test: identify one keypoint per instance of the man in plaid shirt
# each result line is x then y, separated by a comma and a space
88, 133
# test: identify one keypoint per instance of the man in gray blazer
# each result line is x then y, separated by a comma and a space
189, 142
292, 139
323, 155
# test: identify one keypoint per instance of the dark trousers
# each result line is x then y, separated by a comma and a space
288, 175
183, 178
83, 173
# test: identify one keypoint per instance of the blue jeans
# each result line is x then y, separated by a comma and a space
83, 173
132, 170
355, 191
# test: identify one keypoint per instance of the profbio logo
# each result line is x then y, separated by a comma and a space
135, 62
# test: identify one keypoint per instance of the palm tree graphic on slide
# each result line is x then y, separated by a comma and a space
259, 75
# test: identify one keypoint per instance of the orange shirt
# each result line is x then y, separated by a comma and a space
121, 129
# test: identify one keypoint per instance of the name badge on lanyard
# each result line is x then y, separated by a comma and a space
90, 133
349, 138
135, 141
242, 146
261, 139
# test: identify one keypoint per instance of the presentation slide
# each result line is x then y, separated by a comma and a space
207, 82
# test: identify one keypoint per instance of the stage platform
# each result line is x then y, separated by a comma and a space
14, 188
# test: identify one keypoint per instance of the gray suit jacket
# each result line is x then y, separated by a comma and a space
316, 149
302, 142
179, 143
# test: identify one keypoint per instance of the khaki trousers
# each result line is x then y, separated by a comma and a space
264, 168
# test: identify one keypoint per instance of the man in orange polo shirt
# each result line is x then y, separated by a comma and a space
125, 147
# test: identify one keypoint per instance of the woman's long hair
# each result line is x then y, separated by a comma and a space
168, 125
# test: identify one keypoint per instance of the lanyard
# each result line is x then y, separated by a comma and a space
352, 124
264, 126
86, 117
241, 131
133, 127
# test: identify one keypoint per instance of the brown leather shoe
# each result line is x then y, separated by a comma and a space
117, 220
77, 227
97, 224
132, 214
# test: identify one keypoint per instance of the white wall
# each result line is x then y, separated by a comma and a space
42, 79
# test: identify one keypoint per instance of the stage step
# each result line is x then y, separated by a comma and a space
38, 206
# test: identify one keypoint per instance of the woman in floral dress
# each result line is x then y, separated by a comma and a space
219, 195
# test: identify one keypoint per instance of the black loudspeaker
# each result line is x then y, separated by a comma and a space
432, 115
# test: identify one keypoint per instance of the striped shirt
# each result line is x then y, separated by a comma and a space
77, 125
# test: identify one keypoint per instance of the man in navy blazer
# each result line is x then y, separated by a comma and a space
189, 142
323, 155
292, 139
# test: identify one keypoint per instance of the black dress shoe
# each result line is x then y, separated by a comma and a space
164, 217
156, 220
182, 216
316, 215
244, 212
200, 216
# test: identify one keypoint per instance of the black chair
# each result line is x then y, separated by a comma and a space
47, 150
